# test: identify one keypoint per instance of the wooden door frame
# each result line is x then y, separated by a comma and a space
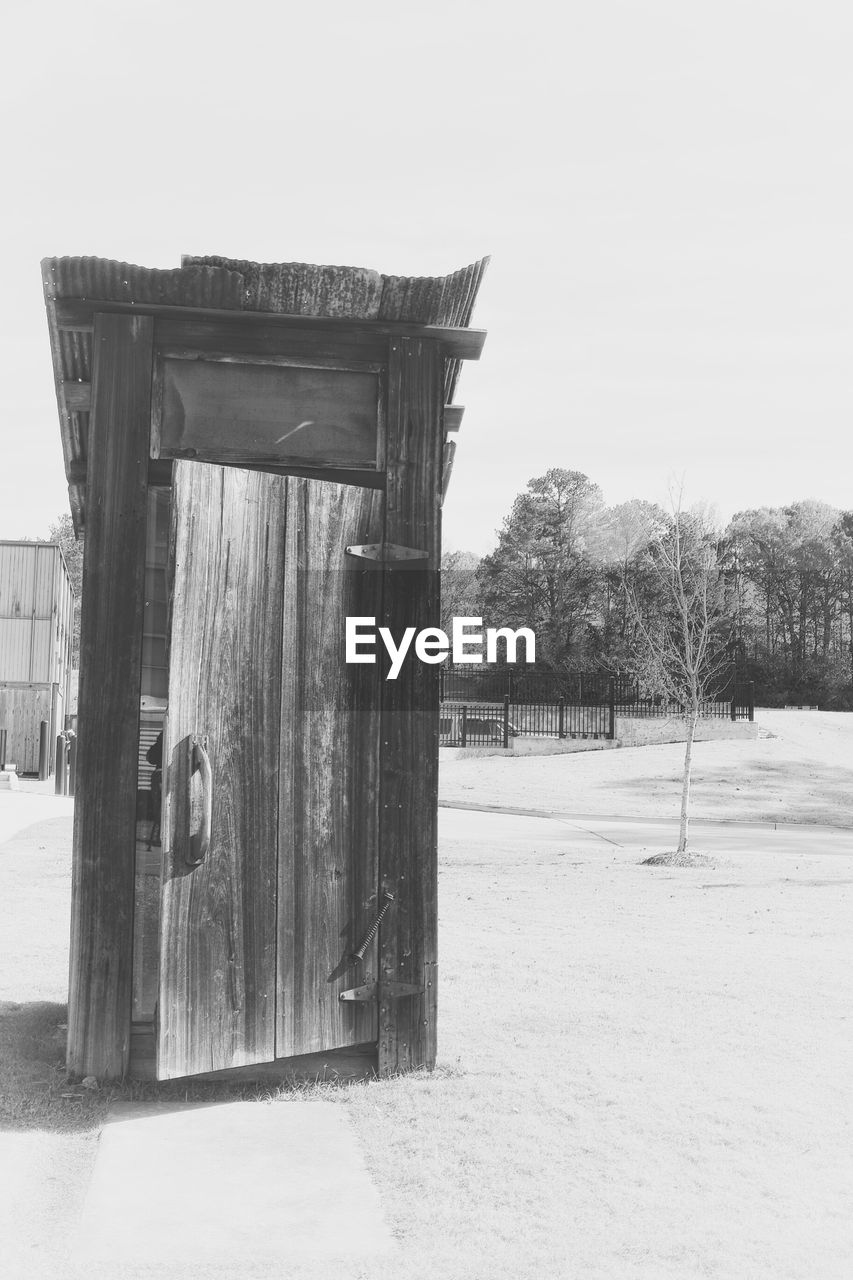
104, 857
117, 477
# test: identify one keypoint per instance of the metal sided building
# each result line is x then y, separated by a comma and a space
255, 452
36, 626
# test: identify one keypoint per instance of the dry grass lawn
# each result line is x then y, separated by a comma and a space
799, 770
644, 1072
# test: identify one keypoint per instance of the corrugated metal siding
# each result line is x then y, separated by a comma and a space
36, 610
26, 649
294, 288
27, 573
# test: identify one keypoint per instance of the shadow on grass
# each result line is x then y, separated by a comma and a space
32, 1070
35, 1092
815, 789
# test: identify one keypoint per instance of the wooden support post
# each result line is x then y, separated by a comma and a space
408, 836
110, 656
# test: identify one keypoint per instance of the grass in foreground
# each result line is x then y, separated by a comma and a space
642, 1073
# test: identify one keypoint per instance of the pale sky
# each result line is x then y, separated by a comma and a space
666, 190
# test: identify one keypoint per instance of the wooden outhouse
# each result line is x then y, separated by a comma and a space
36, 627
254, 453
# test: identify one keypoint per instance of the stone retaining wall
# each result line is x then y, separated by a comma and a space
640, 731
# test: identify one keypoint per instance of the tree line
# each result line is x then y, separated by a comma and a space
582, 575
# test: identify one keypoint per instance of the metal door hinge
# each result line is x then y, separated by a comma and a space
386, 552
381, 991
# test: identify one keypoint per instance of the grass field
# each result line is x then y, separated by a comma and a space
799, 770
644, 1073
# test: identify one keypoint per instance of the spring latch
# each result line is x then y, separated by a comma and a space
358, 954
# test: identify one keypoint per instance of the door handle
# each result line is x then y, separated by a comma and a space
199, 759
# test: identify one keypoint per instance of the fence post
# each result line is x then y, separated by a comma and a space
44, 751
506, 721
751, 700
441, 684
72, 766
611, 706
734, 698
509, 688
464, 726
2, 750
562, 713
60, 783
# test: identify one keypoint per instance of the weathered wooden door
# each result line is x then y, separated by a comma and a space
270, 842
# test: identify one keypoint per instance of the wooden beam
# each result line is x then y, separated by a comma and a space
78, 396
160, 474
460, 344
408, 838
447, 467
453, 416
110, 655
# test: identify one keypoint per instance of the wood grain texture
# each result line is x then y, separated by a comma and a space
328, 835
110, 652
453, 414
218, 921
353, 1063
408, 837
78, 396
462, 344
22, 709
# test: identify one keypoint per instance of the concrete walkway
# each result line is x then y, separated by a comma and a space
232, 1188
480, 824
33, 803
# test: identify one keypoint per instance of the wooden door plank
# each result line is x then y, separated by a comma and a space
218, 931
110, 654
408, 857
329, 768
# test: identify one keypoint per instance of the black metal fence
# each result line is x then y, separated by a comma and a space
489, 708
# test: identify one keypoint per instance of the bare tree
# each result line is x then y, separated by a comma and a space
460, 588
680, 650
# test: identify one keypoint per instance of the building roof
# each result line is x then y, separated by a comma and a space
226, 284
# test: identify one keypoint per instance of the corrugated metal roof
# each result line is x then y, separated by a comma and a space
232, 284
356, 293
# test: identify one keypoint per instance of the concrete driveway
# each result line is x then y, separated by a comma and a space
481, 825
